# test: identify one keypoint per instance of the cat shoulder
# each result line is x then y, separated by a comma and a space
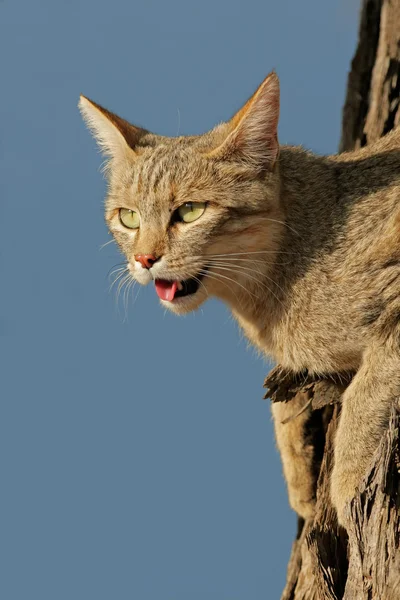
388, 143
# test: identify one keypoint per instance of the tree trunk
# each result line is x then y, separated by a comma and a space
362, 563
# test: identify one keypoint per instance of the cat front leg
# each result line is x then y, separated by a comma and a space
364, 419
295, 441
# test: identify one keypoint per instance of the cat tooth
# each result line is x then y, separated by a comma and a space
180, 286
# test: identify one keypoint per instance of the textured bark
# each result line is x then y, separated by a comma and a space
328, 563
372, 106
362, 563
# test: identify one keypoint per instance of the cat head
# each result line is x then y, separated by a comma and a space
194, 214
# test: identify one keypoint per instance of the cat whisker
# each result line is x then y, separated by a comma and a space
124, 297
250, 260
137, 294
130, 286
248, 253
234, 258
233, 281
121, 269
121, 284
117, 278
243, 271
122, 265
106, 244
197, 262
202, 284
215, 276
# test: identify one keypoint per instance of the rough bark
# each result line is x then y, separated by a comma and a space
328, 563
372, 106
362, 563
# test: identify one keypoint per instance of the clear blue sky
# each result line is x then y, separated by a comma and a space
137, 456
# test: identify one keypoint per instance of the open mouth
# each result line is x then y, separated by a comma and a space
169, 290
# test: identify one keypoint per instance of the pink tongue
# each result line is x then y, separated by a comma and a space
166, 289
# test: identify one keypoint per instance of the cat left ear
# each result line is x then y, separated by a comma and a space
253, 131
115, 136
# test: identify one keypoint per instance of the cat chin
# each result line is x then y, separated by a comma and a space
186, 304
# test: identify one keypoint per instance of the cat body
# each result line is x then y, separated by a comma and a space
304, 249
338, 274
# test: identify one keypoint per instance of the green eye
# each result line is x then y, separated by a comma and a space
191, 211
129, 218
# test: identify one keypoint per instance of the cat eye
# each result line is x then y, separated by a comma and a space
190, 211
129, 218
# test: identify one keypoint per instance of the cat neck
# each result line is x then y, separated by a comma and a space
308, 200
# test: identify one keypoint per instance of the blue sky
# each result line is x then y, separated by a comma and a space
137, 456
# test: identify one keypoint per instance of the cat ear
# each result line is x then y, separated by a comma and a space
115, 136
253, 131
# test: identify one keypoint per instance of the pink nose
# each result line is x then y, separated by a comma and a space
146, 260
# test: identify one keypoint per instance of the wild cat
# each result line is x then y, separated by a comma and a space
304, 249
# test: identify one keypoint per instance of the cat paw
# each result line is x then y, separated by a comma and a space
344, 487
304, 508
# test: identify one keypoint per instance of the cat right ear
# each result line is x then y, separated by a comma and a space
116, 137
252, 134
